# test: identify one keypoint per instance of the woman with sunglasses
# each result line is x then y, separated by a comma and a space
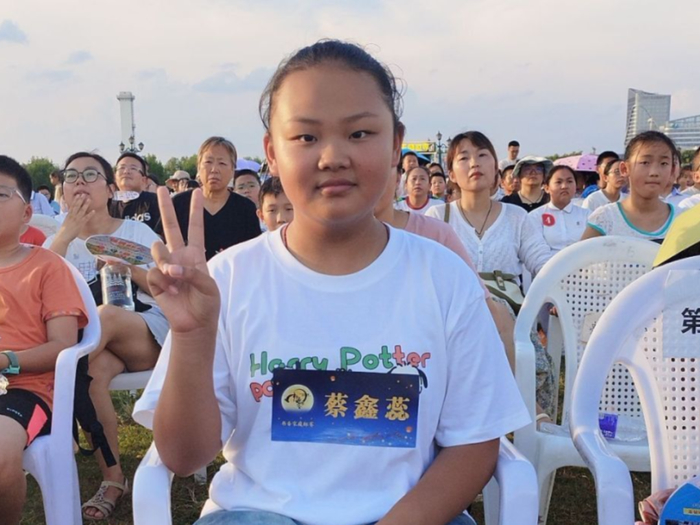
131, 340
530, 171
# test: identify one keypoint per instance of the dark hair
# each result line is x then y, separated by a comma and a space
334, 51
13, 169
435, 164
548, 176
510, 167
606, 155
272, 186
132, 155
246, 171
646, 138
45, 187
106, 167
192, 184
514, 143
154, 178
477, 138
422, 168
687, 167
609, 165
58, 174
437, 174
408, 154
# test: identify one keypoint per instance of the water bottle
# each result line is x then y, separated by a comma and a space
116, 286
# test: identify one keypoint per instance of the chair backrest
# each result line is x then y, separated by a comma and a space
631, 332
581, 281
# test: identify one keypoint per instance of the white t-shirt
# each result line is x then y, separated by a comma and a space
597, 199
692, 190
689, 202
510, 243
78, 255
275, 311
404, 205
560, 228
611, 220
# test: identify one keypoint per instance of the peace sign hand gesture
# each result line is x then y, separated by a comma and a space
180, 283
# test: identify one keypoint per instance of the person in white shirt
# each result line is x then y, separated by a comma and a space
689, 202
695, 188
612, 181
512, 158
561, 222
418, 198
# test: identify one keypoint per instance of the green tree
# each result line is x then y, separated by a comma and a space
39, 169
687, 156
155, 167
189, 164
558, 156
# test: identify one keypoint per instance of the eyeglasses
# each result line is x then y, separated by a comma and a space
6, 194
89, 175
127, 169
247, 186
533, 170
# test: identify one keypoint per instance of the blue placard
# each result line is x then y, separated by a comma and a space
345, 408
683, 507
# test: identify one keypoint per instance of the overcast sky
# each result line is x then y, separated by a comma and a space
552, 74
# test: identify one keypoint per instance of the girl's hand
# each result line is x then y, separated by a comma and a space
78, 216
180, 283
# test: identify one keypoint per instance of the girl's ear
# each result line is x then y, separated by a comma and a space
624, 169
398, 142
451, 176
270, 153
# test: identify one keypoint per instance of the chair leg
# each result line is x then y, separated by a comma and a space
200, 477
491, 502
546, 484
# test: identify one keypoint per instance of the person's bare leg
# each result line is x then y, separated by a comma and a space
126, 343
505, 324
13, 484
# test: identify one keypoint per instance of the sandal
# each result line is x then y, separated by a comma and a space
102, 504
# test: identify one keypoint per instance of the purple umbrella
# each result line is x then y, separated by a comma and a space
578, 162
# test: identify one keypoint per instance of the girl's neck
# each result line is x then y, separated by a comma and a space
475, 201
643, 205
611, 193
531, 193
393, 217
102, 223
340, 250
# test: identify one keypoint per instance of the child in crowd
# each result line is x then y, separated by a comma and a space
130, 340
275, 210
613, 181
247, 183
418, 198
648, 164
40, 313
452, 193
438, 185
292, 453
561, 222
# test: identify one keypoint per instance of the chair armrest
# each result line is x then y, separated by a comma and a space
612, 478
517, 482
525, 377
151, 496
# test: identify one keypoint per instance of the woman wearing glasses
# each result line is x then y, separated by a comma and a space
131, 340
530, 171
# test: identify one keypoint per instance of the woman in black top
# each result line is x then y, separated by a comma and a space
531, 172
228, 218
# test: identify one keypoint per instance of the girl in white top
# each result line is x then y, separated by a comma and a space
611, 192
309, 302
648, 165
561, 222
418, 198
497, 236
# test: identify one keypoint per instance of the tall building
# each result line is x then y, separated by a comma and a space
646, 111
685, 132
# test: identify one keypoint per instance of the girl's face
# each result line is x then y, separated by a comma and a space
332, 142
561, 188
473, 169
685, 179
614, 178
97, 192
649, 169
418, 185
215, 169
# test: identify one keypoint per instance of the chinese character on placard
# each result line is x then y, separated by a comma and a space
397, 409
366, 408
691, 321
336, 404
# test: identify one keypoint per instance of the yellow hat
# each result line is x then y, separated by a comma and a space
683, 239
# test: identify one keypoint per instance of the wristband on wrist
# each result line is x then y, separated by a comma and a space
13, 368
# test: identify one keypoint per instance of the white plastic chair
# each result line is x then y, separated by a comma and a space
510, 498
580, 281
50, 459
631, 332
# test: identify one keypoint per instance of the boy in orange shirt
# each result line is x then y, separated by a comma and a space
41, 311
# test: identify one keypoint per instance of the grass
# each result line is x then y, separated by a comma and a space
573, 500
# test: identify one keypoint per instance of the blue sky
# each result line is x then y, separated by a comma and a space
551, 74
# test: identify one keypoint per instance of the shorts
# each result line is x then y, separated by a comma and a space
29, 410
157, 323
259, 517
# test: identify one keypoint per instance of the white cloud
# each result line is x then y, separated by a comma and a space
10, 32
79, 57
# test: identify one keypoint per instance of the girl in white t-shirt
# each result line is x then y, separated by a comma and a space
648, 165
418, 198
611, 192
335, 290
130, 340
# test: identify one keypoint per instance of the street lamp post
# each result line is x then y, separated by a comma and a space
440, 145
